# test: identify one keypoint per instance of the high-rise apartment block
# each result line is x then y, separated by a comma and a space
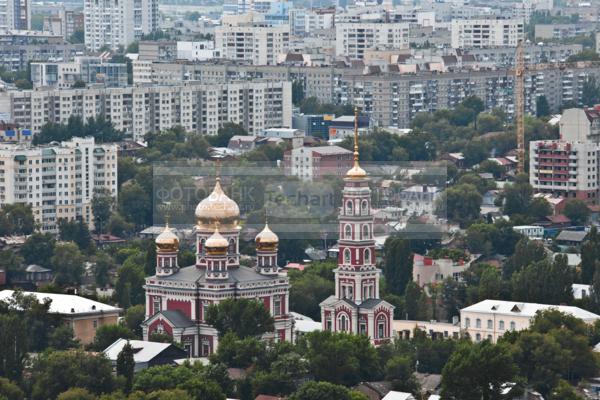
15, 14
58, 181
488, 32
115, 23
199, 108
352, 39
569, 167
255, 42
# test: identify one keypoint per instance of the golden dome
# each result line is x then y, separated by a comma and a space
356, 172
266, 237
217, 207
167, 240
216, 243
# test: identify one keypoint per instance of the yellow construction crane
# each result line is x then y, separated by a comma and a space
520, 106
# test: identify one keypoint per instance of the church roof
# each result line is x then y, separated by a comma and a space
371, 303
240, 274
177, 318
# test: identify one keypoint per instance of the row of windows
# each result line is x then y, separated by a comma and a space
490, 324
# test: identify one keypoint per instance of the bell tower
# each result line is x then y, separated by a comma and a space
167, 249
267, 243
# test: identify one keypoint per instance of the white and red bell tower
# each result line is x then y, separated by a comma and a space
356, 306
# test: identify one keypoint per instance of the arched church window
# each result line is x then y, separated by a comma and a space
347, 232
231, 249
349, 207
381, 322
367, 259
365, 231
346, 256
364, 207
342, 323
202, 251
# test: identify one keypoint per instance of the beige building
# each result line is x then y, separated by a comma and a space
58, 181
199, 108
404, 329
488, 32
490, 319
85, 316
254, 42
353, 39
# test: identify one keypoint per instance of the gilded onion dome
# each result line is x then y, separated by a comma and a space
167, 240
217, 207
216, 243
266, 238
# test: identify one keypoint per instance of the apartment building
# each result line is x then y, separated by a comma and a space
19, 48
393, 98
15, 14
310, 163
199, 108
115, 23
197, 51
565, 31
162, 50
352, 39
488, 32
57, 180
63, 75
570, 166
490, 319
252, 42
304, 21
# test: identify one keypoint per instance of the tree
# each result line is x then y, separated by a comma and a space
225, 133
104, 264
564, 391
590, 92
10, 391
130, 281
526, 252
544, 282
134, 316
398, 264
460, 203
56, 372
16, 219
478, 371
542, 108
341, 358
67, 263
23, 84
297, 92
399, 371
13, 346
539, 208
517, 196
118, 226
108, 334
577, 211
102, 204
62, 338
135, 205
76, 231
203, 389
244, 317
77, 37
76, 394
79, 84
126, 365
321, 391
310, 287
590, 255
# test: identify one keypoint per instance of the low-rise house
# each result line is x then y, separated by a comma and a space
580, 291
85, 316
393, 395
490, 319
38, 275
404, 329
146, 354
427, 270
531, 231
570, 238
419, 199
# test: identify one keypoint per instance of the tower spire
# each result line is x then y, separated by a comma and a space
356, 172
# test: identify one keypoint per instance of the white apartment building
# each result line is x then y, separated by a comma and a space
15, 14
488, 32
199, 108
305, 21
257, 43
352, 39
115, 23
490, 319
58, 181
197, 51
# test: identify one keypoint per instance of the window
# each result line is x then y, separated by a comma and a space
365, 232
477, 323
478, 338
95, 323
348, 207
364, 208
156, 307
348, 232
513, 326
328, 324
187, 346
362, 326
467, 322
277, 305
347, 256
490, 324
367, 259
501, 325
381, 320
342, 323
205, 347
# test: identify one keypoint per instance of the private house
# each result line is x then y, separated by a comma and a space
146, 354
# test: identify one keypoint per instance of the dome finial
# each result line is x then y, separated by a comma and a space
356, 171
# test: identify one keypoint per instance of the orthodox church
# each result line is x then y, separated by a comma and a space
356, 307
177, 297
